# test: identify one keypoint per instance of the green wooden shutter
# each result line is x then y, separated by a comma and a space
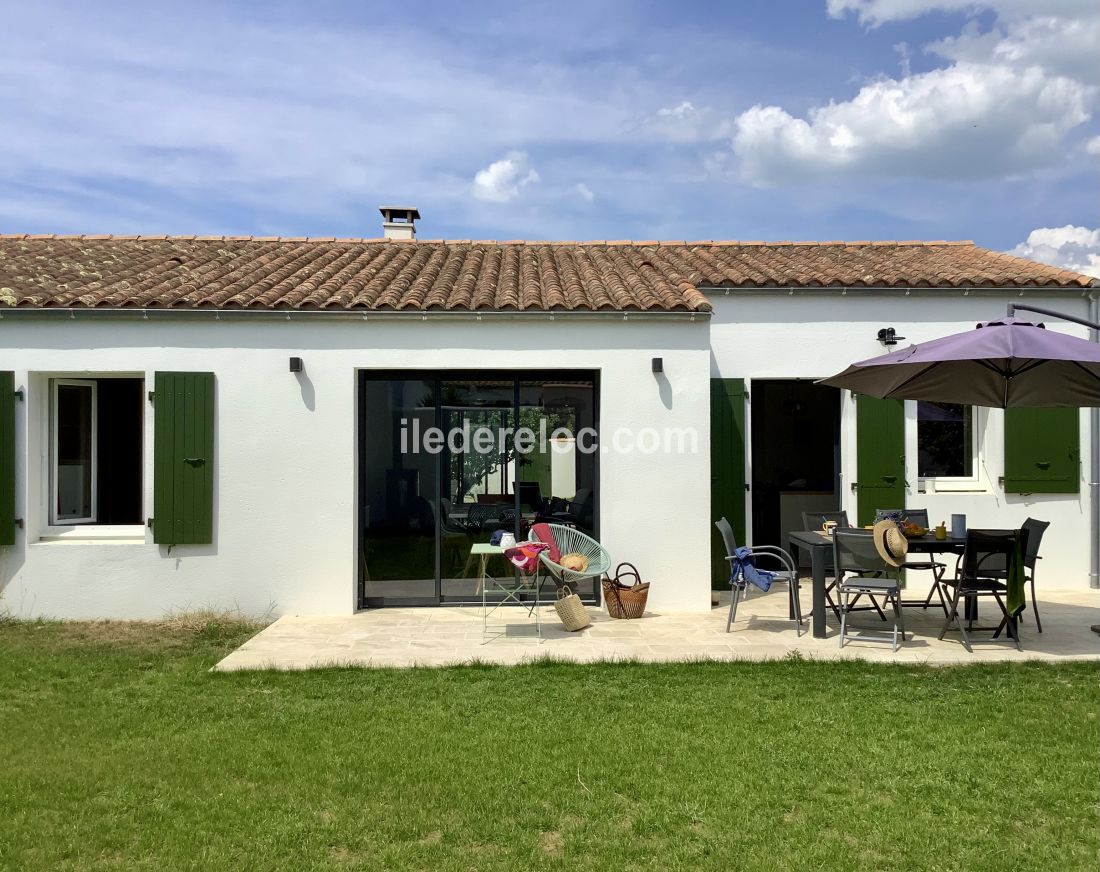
1042, 451
727, 469
7, 458
880, 456
183, 458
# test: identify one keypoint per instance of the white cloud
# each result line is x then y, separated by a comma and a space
1001, 107
502, 180
1093, 145
685, 122
965, 121
584, 191
1070, 247
1061, 46
876, 12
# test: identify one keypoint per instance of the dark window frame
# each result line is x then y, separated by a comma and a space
438, 377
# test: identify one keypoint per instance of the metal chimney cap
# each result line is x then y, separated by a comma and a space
410, 213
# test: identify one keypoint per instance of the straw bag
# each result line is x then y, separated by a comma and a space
625, 600
574, 616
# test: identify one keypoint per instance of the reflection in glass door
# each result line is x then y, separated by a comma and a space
477, 477
426, 497
396, 491
73, 464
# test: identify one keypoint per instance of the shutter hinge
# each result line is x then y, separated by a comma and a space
149, 523
19, 523
151, 395
19, 396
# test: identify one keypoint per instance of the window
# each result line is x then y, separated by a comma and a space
95, 451
946, 442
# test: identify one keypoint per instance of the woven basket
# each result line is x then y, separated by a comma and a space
625, 600
574, 616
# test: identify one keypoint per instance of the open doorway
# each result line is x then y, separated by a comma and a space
795, 455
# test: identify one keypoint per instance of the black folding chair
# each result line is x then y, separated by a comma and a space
920, 518
812, 521
984, 563
1034, 530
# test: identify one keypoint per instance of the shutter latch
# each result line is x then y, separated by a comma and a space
195, 461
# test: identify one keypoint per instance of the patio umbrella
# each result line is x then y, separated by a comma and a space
1001, 363
1008, 362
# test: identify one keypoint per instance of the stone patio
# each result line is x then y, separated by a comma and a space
449, 635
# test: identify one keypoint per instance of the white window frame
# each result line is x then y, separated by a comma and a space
54, 385
942, 483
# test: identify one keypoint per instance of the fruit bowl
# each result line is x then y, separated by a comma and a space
914, 531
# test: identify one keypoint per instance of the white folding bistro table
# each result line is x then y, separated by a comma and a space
511, 587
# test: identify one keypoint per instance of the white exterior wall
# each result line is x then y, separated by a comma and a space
285, 465
814, 335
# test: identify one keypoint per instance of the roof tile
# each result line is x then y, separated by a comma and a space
361, 274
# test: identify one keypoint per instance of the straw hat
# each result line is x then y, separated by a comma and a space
890, 543
575, 562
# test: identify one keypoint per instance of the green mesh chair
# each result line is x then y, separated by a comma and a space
569, 541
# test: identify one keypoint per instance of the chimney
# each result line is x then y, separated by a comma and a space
399, 222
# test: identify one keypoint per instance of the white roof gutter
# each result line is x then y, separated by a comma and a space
905, 290
76, 312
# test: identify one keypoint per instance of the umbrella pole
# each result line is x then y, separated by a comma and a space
1094, 433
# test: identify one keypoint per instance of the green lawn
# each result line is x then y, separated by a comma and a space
120, 751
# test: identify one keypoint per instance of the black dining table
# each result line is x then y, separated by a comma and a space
819, 545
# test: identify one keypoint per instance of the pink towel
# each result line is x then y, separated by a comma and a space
546, 535
526, 555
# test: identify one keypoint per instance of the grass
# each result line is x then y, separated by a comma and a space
118, 750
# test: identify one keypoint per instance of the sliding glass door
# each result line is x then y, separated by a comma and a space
447, 458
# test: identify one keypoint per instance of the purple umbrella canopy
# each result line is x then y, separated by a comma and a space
1001, 363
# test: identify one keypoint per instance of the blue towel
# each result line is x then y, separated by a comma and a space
744, 569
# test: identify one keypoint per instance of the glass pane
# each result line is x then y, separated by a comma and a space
75, 469
557, 477
459, 482
945, 440
478, 473
398, 489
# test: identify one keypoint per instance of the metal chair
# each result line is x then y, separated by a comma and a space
862, 571
481, 517
787, 575
984, 563
569, 540
579, 510
920, 518
814, 521
1034, 530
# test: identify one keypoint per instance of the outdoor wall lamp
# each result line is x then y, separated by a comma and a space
295, 364
658, 364
888, 336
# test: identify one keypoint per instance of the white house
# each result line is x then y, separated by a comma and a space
249, 423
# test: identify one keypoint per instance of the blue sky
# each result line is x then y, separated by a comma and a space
810, 119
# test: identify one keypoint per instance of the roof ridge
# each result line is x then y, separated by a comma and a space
362, 240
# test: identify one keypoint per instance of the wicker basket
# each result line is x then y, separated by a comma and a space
574, 616
625, 600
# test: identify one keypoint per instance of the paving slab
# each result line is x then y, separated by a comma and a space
408, 637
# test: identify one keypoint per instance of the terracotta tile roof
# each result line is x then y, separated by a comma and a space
379, 274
